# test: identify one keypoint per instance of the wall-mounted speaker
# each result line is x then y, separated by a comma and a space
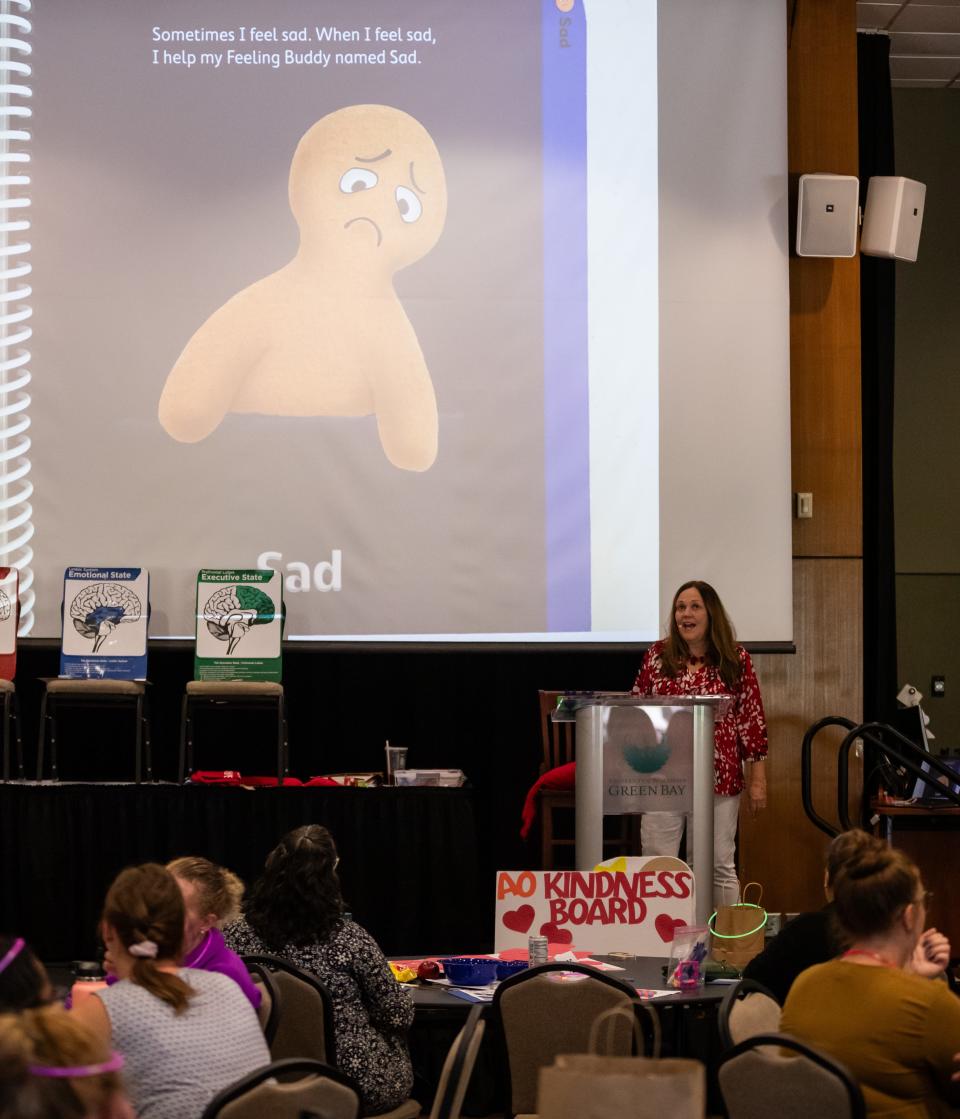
892, 217
827, 213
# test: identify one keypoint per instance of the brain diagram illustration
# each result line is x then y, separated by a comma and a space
231, 611
326, 335
6, 609
99, 608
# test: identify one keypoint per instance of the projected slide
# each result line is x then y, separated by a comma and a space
361, 292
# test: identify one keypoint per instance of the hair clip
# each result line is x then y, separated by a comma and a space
144, 949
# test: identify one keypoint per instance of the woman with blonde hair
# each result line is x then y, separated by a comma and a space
211, 899
52, 1067
200, 1021
896, 1032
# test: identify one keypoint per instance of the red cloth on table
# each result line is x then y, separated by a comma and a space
563, 777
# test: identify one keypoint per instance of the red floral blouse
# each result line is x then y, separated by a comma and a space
741, 735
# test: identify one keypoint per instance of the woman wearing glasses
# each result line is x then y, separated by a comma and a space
896, 1032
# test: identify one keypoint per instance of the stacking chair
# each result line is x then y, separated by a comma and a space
11, 726
458, 1067
748, 1008
540, 1017
559, 748
287, 1089
268, 1012
757, 1080
304, 1022
233, 695
62, 693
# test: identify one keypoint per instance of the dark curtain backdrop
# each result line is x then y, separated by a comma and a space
472, 708
877, 318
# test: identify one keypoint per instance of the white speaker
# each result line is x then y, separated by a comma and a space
827, 212
892, 217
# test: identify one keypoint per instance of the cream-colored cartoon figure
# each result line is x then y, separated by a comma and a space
326, 335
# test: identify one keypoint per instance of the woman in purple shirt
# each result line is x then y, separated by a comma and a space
211, 898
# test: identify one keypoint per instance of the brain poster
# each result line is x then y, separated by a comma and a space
239, 625
105, 612
9, 593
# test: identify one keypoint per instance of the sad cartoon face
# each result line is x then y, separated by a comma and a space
367, 186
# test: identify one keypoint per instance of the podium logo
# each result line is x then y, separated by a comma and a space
646, 759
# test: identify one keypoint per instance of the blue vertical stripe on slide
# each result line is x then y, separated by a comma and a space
565, 373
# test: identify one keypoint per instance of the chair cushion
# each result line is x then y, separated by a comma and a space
234, 687
64, 686
564, 777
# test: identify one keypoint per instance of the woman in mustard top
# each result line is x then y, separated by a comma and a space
896, 1032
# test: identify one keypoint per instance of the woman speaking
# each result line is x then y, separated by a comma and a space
700, 656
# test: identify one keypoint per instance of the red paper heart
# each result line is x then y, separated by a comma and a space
667, 927
555, 935
519, 920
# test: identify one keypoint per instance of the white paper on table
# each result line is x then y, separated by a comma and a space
572, 958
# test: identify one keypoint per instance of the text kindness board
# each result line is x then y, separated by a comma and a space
623, 905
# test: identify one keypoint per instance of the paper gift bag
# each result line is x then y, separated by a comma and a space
589, 1086
738, 930
595, 1086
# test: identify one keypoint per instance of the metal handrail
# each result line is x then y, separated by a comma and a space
806, 777
896, 752
903, 751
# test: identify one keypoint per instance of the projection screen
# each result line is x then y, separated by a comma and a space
471, 320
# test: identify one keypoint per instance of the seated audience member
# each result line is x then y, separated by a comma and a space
52, 1067
184, 1035
295, 911
211, 899
895, 1031
814, 938
24, 984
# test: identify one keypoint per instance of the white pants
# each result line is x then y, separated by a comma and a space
660, 835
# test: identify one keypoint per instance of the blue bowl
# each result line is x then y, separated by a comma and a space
506, 968
470, 971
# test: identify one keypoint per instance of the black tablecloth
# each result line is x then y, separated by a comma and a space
408, 857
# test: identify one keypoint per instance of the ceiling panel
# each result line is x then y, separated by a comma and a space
927, 17
918, 83
915, 43
872, 17
945, 69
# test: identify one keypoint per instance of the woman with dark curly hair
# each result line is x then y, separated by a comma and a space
295, 911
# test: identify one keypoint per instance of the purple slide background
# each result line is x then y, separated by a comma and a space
566, 388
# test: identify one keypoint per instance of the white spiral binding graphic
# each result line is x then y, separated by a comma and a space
16, 526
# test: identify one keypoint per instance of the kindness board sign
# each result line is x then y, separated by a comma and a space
630, 905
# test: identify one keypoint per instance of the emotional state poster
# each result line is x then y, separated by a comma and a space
312, 277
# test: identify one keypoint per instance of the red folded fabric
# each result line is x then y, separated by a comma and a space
233, 777
216, 777
271, 782
327, 782
563, 777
